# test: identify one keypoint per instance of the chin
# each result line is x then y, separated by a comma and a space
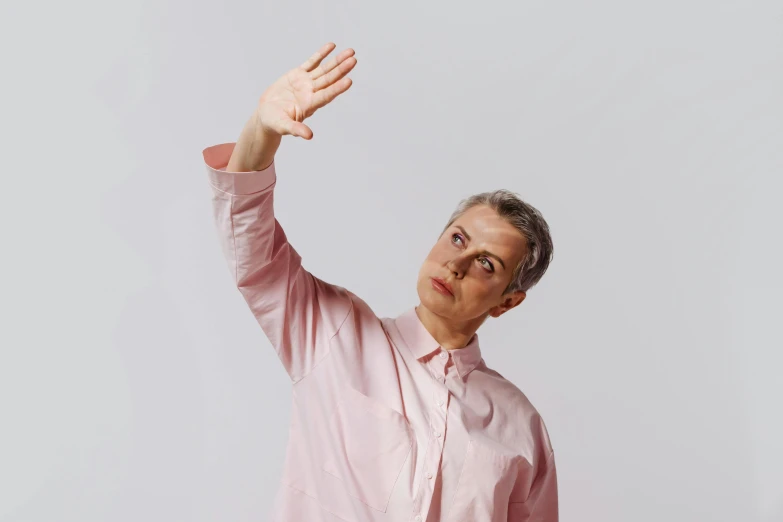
432, 300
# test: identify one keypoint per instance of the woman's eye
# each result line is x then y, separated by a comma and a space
488, 263
456, 236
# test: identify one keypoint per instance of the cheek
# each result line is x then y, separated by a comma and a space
436, 251
473, 290
478, 290
435, 257
428, 267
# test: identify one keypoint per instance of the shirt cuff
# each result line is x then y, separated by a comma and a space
237, 183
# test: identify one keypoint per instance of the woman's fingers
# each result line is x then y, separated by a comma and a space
328, 82
324, 96
321, 70
334, 74
315, 59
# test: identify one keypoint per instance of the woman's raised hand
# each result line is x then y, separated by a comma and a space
303, 90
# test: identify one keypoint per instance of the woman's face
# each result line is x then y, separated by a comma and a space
476, 256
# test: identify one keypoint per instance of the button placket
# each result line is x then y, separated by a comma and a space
438, 416
445, 362
423, 497
439, 364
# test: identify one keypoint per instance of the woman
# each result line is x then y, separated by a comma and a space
393, 418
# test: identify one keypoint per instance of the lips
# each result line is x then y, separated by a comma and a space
442, 285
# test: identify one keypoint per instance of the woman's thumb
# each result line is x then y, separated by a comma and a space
301, 130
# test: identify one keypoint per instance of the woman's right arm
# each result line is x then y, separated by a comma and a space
298, 312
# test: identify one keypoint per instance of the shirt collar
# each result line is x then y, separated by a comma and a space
421, 343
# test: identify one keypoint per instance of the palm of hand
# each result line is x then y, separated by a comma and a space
303, 90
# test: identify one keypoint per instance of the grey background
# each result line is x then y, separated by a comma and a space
135, 384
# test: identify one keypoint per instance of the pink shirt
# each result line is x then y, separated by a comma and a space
385, 424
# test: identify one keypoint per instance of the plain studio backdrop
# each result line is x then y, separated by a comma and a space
135, 385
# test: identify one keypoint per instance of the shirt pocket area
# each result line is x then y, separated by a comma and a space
484, 486
370, 443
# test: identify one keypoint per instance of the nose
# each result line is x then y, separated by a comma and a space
458, 266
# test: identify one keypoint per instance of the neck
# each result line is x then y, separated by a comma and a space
450, 335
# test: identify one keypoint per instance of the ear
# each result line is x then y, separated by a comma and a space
509, 301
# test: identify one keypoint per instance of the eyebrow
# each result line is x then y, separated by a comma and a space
483, 251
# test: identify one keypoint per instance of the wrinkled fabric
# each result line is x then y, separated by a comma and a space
385, 424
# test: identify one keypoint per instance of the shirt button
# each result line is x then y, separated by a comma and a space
436, 433
439, 403
429, 475
418, 518
443, 355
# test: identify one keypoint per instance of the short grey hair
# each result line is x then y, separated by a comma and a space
530, 223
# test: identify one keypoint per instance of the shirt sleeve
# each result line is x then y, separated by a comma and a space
541, 503
298, 312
